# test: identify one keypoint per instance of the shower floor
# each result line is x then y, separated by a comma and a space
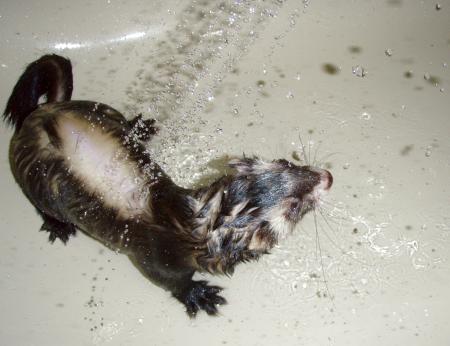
364, 86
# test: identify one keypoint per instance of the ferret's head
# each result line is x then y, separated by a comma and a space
274, 194
244, 214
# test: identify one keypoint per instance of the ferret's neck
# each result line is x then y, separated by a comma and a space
231, 233
170, 204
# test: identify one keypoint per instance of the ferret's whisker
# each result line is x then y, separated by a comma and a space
314, 163
328, 213
309, 152
326, 221
323, 158
303, 149
333, 218
341, 250
324, 201
325, 280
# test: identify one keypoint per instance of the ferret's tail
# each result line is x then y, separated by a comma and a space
49, 76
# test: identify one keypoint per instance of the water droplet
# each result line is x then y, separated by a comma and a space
441, 90
346, 165
388, 52
292, 22
365, 116
359, 71
235, 111
290, 95
426, 76
428, 151
438, 7
298, 77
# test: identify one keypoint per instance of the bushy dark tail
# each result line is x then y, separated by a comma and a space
50, 75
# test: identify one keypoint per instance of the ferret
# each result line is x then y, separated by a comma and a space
84, 166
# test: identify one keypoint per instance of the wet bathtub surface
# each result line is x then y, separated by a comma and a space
365, 86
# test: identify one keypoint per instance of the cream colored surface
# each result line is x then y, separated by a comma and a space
233, 77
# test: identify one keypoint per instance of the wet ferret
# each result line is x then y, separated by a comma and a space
84, 166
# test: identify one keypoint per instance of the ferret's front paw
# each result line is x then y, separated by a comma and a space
143, 129
200, 296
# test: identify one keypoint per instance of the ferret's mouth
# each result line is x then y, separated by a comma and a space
298, 207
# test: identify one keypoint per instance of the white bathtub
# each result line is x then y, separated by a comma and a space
366, 86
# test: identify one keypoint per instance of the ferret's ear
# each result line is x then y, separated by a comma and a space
242, 165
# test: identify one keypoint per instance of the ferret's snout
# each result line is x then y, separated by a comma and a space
326, 178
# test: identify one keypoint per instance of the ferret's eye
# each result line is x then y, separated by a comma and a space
294, 207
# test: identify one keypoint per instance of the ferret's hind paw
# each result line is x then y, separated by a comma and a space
58, 229
201, 296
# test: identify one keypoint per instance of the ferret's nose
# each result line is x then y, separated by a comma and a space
326, 178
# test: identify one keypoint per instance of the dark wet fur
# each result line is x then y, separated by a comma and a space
45, 76
209, 229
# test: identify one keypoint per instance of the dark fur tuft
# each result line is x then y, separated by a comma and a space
244, 165
50, 75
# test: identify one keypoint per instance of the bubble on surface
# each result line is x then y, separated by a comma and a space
359, 71
433, 80
365, 116
107, 332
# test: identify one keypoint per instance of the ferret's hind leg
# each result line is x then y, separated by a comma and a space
198, 295
57, 229
194, 295
143, 129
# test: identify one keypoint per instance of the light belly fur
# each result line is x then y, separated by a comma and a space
102, 163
